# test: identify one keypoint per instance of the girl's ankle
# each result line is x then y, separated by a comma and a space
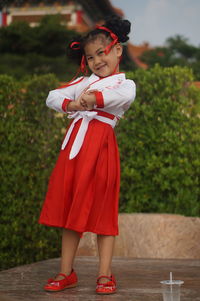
104, 278
60, 277
105, 272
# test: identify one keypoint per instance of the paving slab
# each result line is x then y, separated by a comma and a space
137, 279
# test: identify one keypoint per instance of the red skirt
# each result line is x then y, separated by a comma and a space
83, 192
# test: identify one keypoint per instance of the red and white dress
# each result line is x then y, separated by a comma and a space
83, 189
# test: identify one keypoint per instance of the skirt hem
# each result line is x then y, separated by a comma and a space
81, 231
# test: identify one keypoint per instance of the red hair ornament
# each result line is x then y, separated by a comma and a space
76, 46
83, 67
114, 41
112, 35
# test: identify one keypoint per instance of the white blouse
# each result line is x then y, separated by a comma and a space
118, 93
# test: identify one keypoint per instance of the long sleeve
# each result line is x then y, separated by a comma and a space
117, 97
58, 98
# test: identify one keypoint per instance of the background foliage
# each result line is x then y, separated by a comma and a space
177, 51
160, 155
42, 49
160, 144
30, 139
39, 50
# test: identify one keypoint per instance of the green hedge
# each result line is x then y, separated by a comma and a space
30, 139
160, 156
160, 144
21, 66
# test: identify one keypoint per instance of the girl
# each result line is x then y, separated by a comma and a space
84, 186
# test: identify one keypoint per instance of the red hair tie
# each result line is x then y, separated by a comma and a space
83, 64
113, 36
76, 46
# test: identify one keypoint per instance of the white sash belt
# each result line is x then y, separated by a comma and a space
86, 116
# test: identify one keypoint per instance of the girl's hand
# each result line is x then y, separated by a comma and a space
81, 103
85, 102
77, 105
88, 99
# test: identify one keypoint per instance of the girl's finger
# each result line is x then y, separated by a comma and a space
91, 91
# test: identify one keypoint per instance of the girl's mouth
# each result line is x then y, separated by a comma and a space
101, 67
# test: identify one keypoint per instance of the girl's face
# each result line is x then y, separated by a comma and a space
100, 63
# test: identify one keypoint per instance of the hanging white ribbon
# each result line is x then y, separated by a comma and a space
86, 117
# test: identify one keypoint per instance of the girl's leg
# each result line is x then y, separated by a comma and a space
70, 241
106, 247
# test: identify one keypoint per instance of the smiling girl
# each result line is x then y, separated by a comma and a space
83, 190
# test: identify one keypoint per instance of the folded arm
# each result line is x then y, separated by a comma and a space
63, 99
122, 96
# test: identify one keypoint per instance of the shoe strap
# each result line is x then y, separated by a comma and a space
107, 277
62, 274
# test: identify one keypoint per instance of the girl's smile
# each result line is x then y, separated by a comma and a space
100, 63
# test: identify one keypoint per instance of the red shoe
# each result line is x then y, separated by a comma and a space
108, 287
59, 285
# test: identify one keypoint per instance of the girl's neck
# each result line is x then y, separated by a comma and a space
108, 75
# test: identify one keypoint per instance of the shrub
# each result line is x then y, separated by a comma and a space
21, 66
160, 144
160, 156
30, 136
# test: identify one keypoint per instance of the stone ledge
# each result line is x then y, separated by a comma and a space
152, 236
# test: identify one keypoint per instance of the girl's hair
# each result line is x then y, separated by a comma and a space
115, 24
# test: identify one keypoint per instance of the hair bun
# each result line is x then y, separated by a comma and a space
120, 27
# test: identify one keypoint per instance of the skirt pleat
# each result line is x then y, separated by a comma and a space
83, 192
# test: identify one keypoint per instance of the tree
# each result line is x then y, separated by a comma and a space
49, 38
180, 45
52, 37
176, 52
18, 38
42, 49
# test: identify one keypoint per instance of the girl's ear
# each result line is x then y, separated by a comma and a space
119, 49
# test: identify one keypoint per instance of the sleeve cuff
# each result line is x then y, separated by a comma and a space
99, 99
65, 104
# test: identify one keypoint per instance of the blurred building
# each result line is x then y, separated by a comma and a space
135, 51
78, 14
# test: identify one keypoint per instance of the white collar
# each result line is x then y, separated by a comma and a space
93, 77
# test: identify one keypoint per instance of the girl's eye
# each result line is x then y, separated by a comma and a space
101, 52
89, 58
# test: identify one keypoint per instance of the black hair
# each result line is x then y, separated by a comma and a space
121, 28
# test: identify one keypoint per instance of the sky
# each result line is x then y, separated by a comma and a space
154, 21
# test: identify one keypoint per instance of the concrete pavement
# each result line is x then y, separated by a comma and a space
137, 280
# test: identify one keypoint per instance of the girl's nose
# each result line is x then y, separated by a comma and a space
96, 60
